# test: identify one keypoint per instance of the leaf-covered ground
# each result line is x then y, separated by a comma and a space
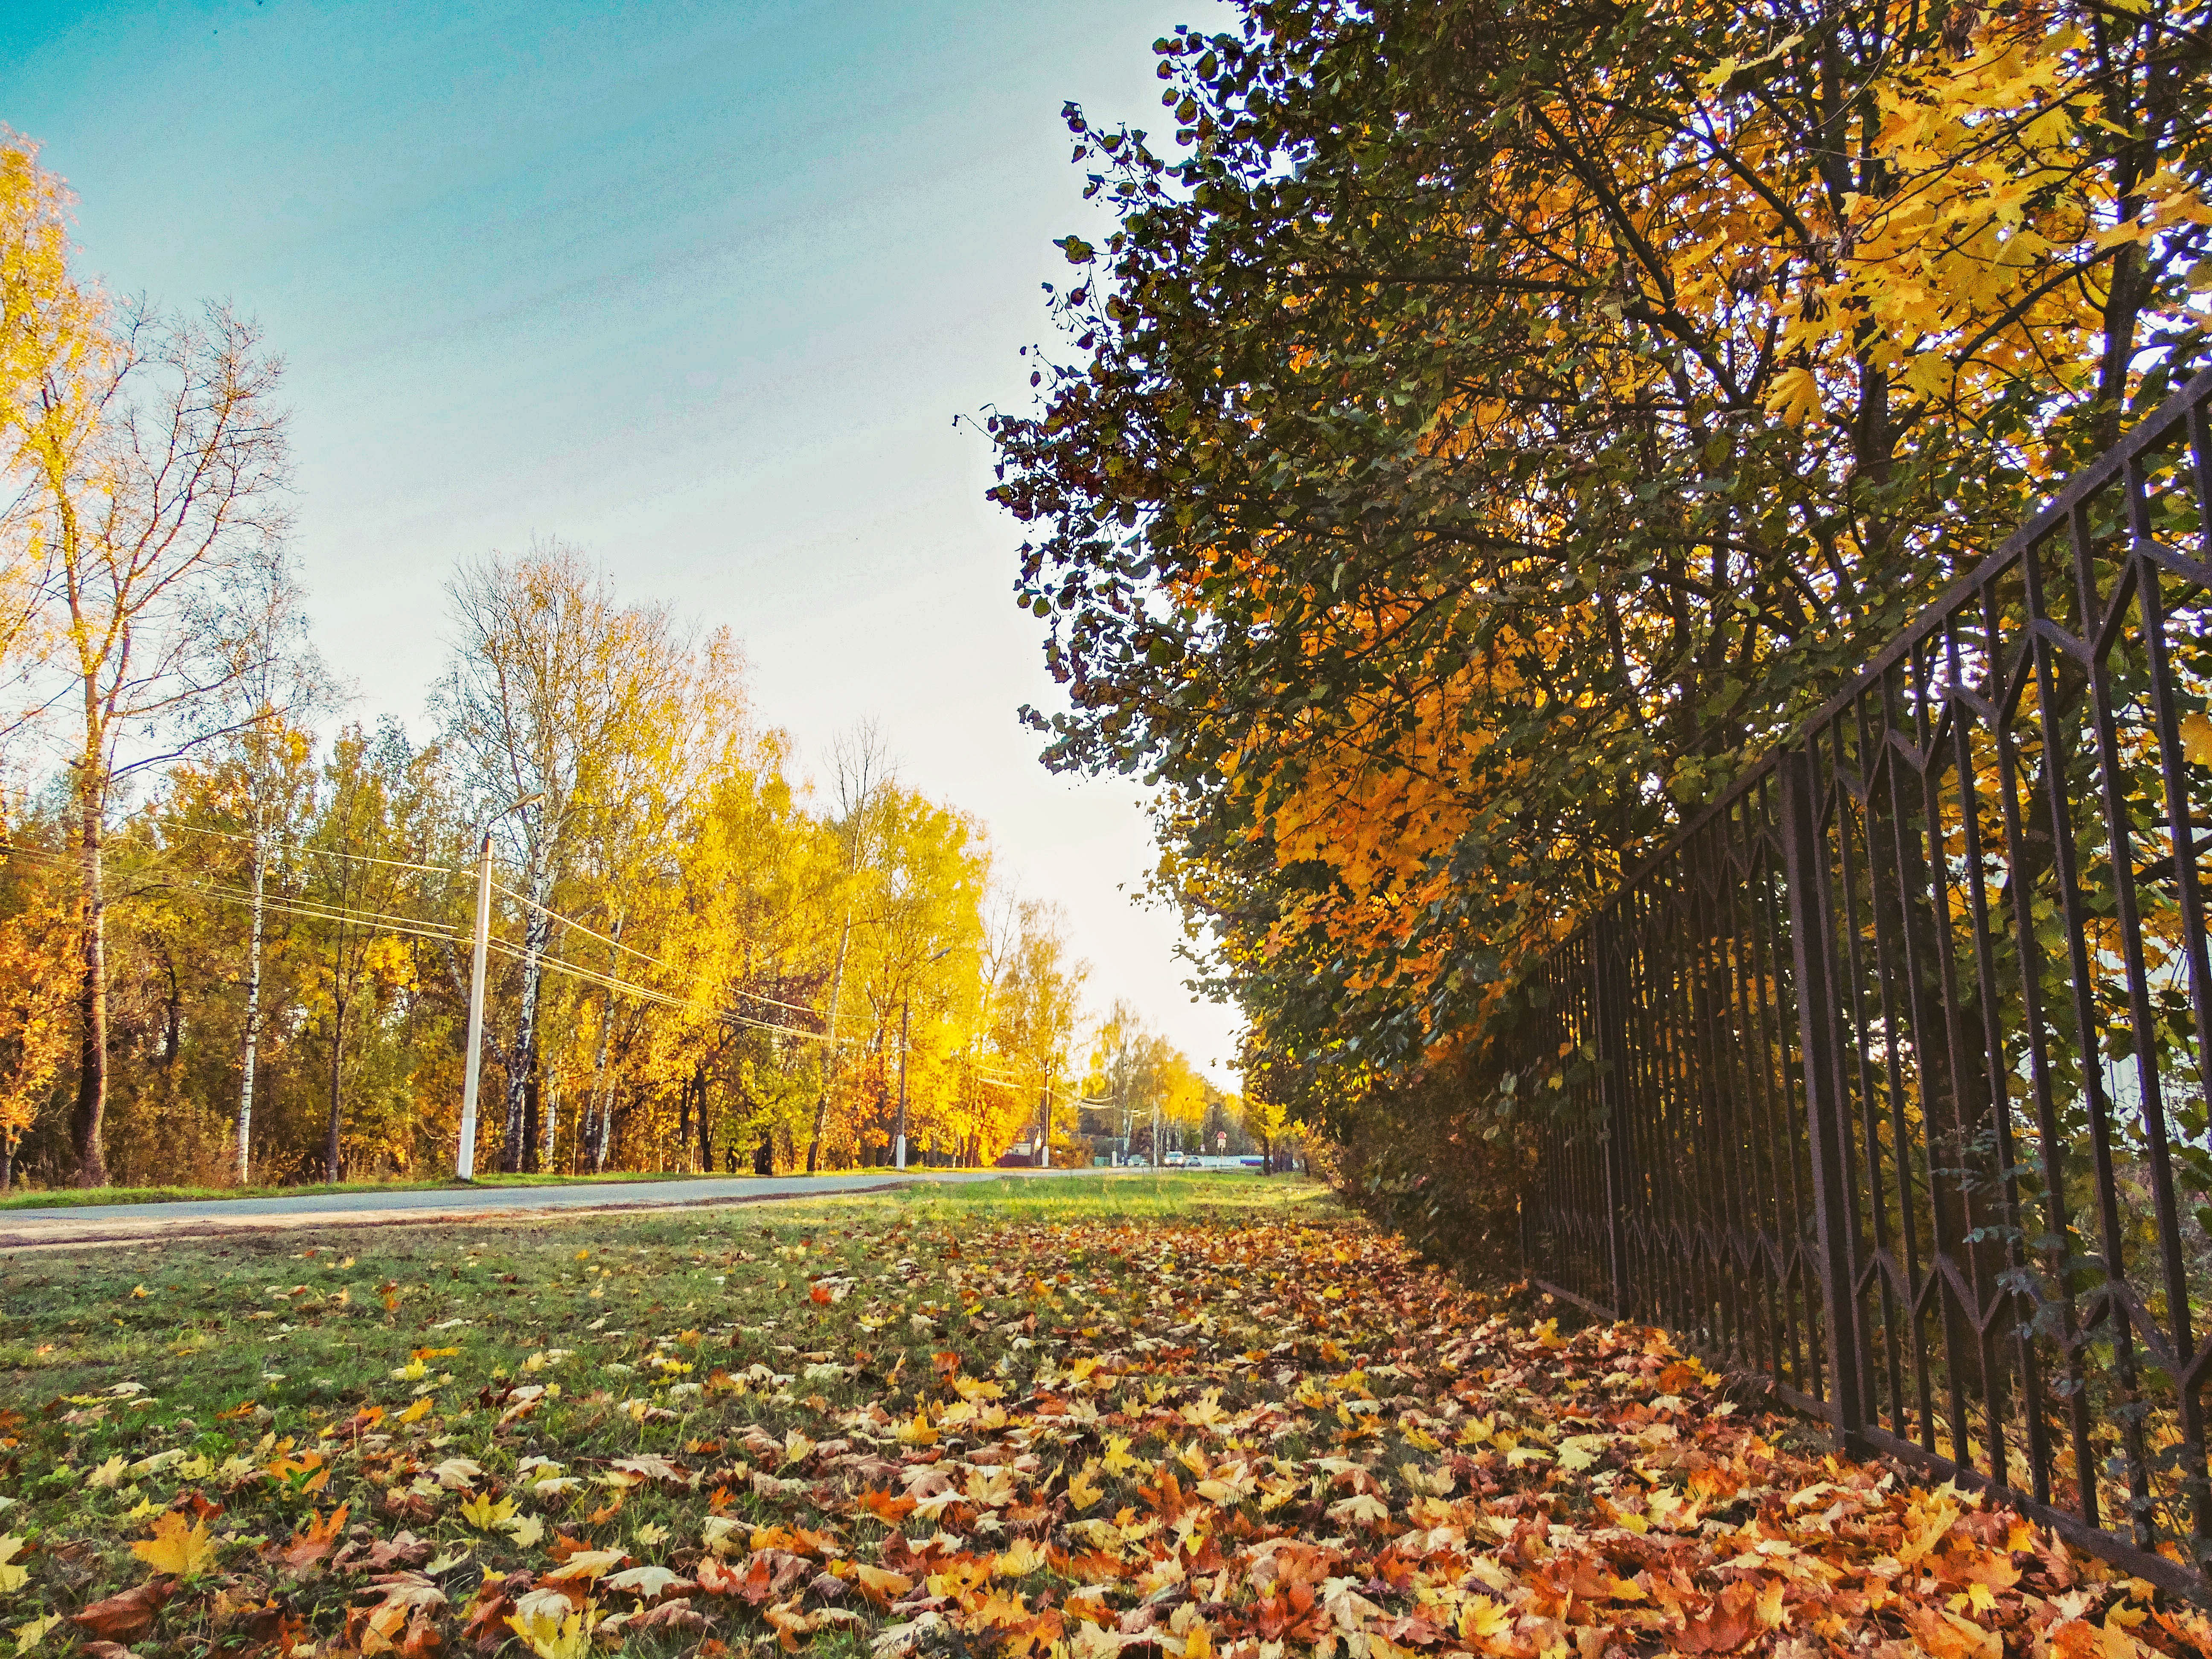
1236, 1422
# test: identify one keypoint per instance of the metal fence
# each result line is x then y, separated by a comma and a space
1885, 1078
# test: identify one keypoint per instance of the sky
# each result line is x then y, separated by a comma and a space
698, 288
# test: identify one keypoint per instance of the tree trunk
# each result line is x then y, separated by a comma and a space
337, 1055
705, 1129
519, 1152
252, 1014
829, 1059
172, 1021
594, 1129
87, 1125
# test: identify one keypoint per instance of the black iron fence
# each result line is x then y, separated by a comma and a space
1887, 1077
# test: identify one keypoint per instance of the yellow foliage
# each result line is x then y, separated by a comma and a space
179, 1546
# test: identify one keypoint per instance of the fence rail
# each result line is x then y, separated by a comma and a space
1885, 1078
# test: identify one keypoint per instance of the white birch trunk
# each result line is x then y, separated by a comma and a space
253, 1015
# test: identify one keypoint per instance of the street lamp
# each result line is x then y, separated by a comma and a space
465, 1160
906, 1027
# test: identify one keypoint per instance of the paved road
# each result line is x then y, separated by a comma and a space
120, 1224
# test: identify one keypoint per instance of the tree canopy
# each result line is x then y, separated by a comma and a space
1487, 425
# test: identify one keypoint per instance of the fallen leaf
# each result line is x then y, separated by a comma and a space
127, 1617
179, 1546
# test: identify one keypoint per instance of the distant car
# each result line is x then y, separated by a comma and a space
1175, 1160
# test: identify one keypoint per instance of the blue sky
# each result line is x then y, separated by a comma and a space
697, 287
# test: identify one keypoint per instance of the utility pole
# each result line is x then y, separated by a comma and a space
906, 1028
465, 1159
906, 1042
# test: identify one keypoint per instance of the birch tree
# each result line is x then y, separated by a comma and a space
278, 685
552, 685
864, 776
157, 470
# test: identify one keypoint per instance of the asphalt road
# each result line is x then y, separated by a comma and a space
123, 1224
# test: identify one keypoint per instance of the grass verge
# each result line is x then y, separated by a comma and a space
76, 1197
1198, 1415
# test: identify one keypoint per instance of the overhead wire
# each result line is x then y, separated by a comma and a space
450, 933
667, 999
642, 955
316, 852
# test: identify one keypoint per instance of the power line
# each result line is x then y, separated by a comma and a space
317, 852
448, 933
576, 970
567, 922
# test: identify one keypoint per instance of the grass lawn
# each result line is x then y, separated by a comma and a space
1200, 1415
73, 1197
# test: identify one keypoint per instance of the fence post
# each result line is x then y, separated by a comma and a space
1611, 1016
1803, 858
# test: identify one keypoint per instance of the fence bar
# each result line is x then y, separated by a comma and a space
1803, 858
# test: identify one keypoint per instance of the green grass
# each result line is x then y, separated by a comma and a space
73, 1197
224, 1355
193, 1321
1013, 1416
1200, 1195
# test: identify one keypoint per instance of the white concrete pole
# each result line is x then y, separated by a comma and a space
906, 1041
465, 1160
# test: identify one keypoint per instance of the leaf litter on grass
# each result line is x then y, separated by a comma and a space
1076, 1440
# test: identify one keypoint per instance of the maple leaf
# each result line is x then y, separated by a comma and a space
1486, 1623
790, 1623
1724, 1626
1081, 1491
586, 1565
1088, 1641
651, 1466
551, 1635
315, 1540
484, 1514
879, 1585
404, 1549
677, 1614
645, 1582
1360, 1509
179, 1546
1769, 1609
457, 1474
717, 1578
34, 1630
918, 1430
13, 1573
2197, 739
398, 1621
127, 1617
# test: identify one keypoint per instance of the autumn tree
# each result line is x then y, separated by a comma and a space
156, 465
553, 687
864, 776
381, 819
277, 686
34, 1000
1486, 426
